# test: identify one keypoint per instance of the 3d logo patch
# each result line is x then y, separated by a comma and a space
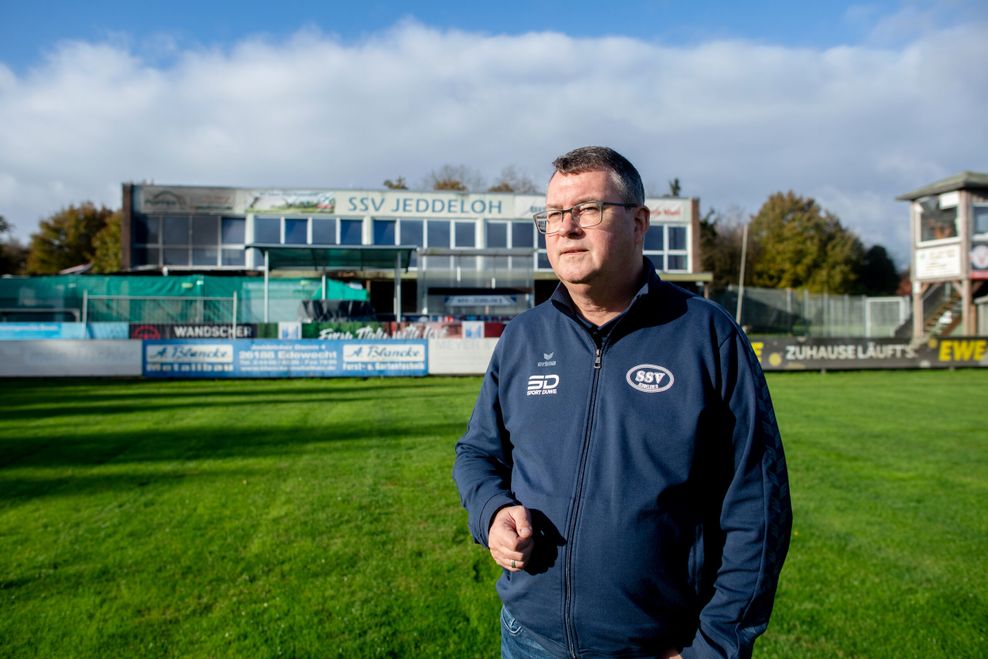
542, 385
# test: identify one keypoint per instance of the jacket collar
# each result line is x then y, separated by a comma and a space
650, 285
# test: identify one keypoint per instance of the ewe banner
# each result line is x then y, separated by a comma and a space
793, 354
283, 359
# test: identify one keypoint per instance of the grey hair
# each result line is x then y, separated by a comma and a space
602, 158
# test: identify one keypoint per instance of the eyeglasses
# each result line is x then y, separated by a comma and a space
587, 214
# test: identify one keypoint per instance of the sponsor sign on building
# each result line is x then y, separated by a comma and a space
186, 199
670, 210
282, 359
938, 262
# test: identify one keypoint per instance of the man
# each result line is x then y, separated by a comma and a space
623, 463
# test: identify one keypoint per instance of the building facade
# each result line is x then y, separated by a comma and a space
474, 254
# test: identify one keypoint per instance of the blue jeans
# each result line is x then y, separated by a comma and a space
516, 642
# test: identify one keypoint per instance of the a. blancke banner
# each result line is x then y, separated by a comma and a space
282, 359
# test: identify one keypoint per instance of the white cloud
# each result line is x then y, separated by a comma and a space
853, 126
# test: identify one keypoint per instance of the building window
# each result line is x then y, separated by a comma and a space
497, 234
176, 230
979, 219
204, 256
936, 223
296, 231
676, 263
542, 261
323, 231
522, 234
176, 256
677, 238
411, 234
384, 232
234, 257
233, 230
205, 231
146, 256
666, 247
147, 230
654, 238
267, 230
351, 232
438, 233
465, 234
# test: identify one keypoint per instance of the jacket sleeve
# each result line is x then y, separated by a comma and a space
756, 515
482, 469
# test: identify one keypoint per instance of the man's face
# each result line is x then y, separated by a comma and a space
601, 256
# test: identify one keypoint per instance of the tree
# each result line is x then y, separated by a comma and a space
458, 178
797, 244
397, 184
878, 275
720, 247
12, 253
674, 188
66, 239
512, 180
106, 246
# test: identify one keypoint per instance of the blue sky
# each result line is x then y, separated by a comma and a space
851, 103
29, 29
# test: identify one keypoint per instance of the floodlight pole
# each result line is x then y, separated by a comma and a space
397, 300
267, 263
744, 254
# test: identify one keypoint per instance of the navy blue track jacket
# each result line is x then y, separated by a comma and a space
648, 454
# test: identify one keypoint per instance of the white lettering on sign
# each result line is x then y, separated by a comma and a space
542, 385
650, 378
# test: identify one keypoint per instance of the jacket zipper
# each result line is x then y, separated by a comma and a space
571, 640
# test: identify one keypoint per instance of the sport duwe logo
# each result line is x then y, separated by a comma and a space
542, 385
650, 378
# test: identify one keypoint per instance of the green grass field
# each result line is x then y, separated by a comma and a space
318, 517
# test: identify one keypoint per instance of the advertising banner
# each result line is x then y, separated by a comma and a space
979, 261
283, 359
70, 358
360, 330
799, 353
35, 331
191, 331
938, 262
115, 330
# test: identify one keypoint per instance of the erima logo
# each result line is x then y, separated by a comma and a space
650, 378
542, 385
549, 361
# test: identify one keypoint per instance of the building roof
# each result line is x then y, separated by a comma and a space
321, 258
962, 181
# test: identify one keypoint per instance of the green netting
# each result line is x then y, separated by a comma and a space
191, 298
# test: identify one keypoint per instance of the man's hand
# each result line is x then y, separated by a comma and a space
511, 538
